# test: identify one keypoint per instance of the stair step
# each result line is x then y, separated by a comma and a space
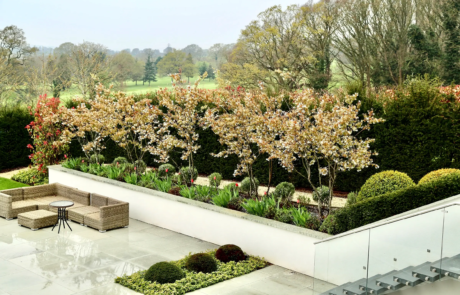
387, 281
449, 267
355, 288
372, 287
405, 277
337, 290
425, 273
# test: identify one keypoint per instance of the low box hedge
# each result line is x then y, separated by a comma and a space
390, 204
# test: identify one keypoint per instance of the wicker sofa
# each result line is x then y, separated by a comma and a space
93, 210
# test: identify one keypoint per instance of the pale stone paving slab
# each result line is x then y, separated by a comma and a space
84, 261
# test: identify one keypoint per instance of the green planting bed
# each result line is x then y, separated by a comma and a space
192, 281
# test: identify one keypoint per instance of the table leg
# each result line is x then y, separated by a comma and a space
65, 220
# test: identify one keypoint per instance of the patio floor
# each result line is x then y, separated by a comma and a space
85, 261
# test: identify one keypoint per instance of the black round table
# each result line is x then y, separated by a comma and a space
61, 206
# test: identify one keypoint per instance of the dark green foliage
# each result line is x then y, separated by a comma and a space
451, 24
164, 273
201, 262
215, 179
211, 73
162, 170
384, 182
246, 185
120, 161
235, 204
425, 52
186, 175
352, 198
140, 166
150, 71
330, 225
313, 223
97, 159
202, 69
14, 137
384, 206
284, 215
227, 253
284, 191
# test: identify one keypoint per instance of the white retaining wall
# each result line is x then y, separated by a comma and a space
281, 244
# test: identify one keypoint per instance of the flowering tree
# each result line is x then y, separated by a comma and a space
46, 130
323, 131
182, 115
239, 120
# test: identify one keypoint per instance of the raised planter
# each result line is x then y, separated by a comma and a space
281, 244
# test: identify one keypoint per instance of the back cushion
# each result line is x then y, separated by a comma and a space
39, 191
111, 201
74, 194
98, 200
17, 194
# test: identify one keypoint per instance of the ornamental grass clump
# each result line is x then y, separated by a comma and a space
384, 182
164, 273
227, 253
434, 175
201, 262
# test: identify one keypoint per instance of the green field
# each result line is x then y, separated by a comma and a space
8, 183
130, 87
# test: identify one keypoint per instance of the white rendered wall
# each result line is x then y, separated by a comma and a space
281, 247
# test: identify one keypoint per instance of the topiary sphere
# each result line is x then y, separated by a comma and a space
215, 179
434, 175
284, 191
329, 225
120, 161
166, 170
227, 253
384, 182
186, 176
140, 166
164, 273
246, 185
97, 159
201, 262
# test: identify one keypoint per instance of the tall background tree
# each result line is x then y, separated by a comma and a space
150, 72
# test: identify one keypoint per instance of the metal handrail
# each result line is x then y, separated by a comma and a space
367, 227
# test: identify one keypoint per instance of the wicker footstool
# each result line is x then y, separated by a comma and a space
37, 219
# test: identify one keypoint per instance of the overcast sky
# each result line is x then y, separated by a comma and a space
133, 23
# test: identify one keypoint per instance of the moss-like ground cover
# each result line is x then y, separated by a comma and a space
192, 281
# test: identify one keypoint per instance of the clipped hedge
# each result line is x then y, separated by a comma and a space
14, 137
433, 175
397, 202
384, 182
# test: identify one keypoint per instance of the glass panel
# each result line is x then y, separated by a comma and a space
340, 261
402, 253
450, 265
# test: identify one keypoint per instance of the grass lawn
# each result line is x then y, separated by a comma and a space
130, 86
8, 183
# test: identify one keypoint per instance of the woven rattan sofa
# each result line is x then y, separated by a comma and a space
93, 210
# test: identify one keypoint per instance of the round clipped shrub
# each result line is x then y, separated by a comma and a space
246, 185
140, 166
215, 179
97, 159
329, 225
166, 170
186, 175
164, 273
227, 253
384, 182
321, 195
284, 191
120, 161
434, 175
201, 262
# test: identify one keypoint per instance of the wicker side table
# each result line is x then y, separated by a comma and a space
37, 219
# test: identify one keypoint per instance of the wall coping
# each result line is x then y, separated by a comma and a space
206, 206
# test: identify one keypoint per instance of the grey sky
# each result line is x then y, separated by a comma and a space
132, 24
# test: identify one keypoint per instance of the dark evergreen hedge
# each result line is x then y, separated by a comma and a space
387, 205
14, 137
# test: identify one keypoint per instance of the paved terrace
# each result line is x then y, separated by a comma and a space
87, 262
